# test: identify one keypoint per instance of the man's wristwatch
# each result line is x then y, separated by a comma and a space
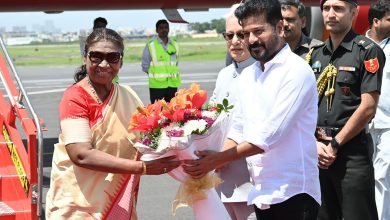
334, 143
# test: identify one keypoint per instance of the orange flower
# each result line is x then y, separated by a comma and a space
185, 101
179, 101
190, 98
146, 119
196, 96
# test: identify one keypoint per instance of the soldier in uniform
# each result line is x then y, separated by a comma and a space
348, 68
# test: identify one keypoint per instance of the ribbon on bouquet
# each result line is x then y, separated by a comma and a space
192, 190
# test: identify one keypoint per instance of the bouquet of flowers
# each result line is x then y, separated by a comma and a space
185, 125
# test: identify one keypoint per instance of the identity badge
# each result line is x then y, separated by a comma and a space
316, 66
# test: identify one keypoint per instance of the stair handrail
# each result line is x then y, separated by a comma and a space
36, 121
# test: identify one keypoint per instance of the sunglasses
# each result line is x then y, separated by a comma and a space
98, 57
230, 36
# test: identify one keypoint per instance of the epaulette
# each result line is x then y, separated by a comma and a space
314, 47
364, 42
318, 45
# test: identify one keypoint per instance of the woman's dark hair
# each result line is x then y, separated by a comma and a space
270, 9
98, 35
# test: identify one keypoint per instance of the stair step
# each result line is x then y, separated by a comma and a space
10, 184
9, 187
6, 212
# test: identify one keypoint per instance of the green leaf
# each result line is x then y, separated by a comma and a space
225, 102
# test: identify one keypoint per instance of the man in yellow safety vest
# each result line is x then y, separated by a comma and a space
160, 62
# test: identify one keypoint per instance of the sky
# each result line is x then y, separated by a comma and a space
76, 20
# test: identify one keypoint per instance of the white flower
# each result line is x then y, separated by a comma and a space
210, 114
193, 125
172, 126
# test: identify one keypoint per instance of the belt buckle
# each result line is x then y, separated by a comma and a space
324, 134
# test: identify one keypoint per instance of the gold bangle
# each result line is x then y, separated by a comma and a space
143, 168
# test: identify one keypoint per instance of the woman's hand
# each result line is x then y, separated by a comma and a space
83, 155
160, 166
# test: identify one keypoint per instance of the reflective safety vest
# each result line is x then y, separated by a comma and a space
163, 71
116, 79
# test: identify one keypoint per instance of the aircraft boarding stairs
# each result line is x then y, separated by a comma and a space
20, 164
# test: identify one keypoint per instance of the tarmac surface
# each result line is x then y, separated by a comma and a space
45, 86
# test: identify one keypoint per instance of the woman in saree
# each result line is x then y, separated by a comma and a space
95, 170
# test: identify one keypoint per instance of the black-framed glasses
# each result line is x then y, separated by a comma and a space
230, 35
98, 57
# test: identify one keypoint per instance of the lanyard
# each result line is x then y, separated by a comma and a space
387, 41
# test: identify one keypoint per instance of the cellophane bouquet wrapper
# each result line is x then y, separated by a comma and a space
198, 193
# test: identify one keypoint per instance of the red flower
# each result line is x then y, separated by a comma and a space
197, 96
176, 115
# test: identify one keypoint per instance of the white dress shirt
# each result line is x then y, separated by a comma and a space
277, 112
382, 115
380, 132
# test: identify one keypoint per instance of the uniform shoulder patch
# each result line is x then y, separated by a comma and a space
372, 65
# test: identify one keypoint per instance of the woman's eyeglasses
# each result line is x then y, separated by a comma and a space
230, 36
98, 57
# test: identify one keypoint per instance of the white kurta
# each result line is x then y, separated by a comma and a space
278, 113
236, 180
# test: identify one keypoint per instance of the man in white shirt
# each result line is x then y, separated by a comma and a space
275, 122
379, 20
236, 181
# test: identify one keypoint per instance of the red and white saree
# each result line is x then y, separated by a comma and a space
80, 193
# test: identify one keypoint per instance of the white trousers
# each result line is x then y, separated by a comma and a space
381, 160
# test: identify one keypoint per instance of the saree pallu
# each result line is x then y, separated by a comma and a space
80, 193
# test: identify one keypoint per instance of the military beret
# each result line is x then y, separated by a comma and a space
353, 2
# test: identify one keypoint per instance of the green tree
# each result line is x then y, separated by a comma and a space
219, 25
200, 27
215, 24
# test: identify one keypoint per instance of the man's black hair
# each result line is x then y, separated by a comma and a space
98, 21
270, 9
378, 10
162, 21
296, 3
